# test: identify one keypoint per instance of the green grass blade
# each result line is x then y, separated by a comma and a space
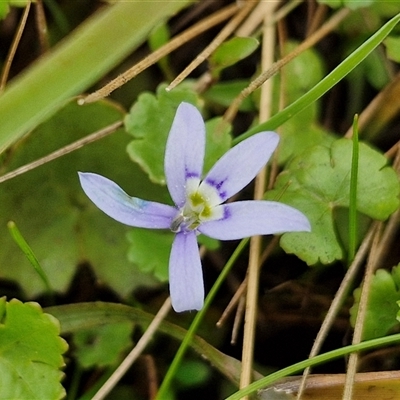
268, 380
353, 193
24, 246
325, 84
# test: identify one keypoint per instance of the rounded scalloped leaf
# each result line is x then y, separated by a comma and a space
153, 261
30, 352
382, 307
156, 261
318, 181
150, 120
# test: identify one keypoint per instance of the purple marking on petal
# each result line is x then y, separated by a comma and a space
236, 168
185, 273
227, 213
189, 175
218, 185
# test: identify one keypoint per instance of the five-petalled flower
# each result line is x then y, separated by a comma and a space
199, 203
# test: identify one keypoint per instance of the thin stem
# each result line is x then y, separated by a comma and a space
309, 42
361, 313
30, 255
162, 393
225, 32
63, 151
42, 26
152, 58
135, 353
233, 302
256, 241
334, 308
13, 48
294, 368
353, 193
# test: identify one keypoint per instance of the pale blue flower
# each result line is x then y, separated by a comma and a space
199, 203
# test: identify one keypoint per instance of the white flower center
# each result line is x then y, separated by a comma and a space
201, 205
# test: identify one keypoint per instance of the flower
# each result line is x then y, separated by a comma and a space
199, 203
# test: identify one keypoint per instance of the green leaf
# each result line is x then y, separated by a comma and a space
104, 345
63, 227
153, 260
193, 373
232, 51
382, 307
318, 181
392, 44
156, 260
223, 93
150, 120
88, 53
159, 36
75, 317
209, 243
4, 9
325, 84
302, 130
218, 141
5, 6
19, 3
300, 134
30, 352
301, 74
352, 4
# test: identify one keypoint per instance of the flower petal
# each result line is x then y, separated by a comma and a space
236, 168
185, 273
248, 218
112, 200
184, 153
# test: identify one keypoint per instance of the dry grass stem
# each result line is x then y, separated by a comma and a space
135, 353
42, 26
237, 323
246, 376
225, 32
385, 105
152, 58
361, 313
233, 302
338, 301
63, 151
331, 24
13, 48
